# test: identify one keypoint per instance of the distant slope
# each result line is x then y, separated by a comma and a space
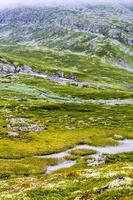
92, 43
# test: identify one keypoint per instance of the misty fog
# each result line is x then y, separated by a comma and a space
18, 3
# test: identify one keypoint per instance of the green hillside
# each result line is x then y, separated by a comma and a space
66, 79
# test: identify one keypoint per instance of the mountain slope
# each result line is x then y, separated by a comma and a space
66, 103
101, 31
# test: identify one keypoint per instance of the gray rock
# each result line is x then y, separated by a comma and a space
97, 27
118, 137
6, 68
32, 127
114, 33
13, 134
69, 128
25, 69
17, 120
127, 39
120, 181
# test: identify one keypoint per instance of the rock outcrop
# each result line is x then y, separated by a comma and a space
8, 68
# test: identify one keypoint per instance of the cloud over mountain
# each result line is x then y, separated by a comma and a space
17, 3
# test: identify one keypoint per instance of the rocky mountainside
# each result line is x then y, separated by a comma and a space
103, 31
69, 41
74, 28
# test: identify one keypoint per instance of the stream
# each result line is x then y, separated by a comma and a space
95, 159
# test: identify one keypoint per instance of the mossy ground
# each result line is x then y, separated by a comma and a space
80, 182
83, 152
67, 122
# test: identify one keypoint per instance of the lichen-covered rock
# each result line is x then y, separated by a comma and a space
32, 127
127, 39
114, 33
121, 181
118, 137
13, 134
10, 69
6, 68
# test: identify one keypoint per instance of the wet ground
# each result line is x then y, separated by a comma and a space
97, 158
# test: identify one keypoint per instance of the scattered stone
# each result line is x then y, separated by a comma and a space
13, 134
97, 159
127, 39
102, 189
15, 63
26, 127
97, 27
8, 126
69, 128
66, 116
17, 120
61, 74
121, 181
80, 122
121, 62
29, 128
118, 137
25, 69
114, 33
